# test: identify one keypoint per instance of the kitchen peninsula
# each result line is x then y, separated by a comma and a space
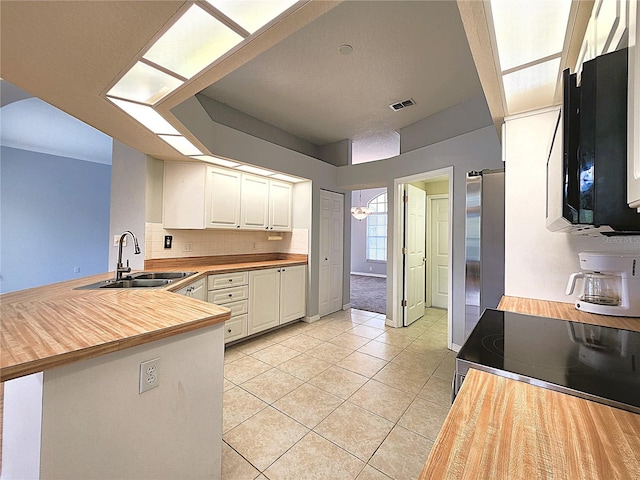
77, 354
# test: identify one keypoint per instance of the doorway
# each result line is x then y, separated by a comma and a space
435, 279
369, 251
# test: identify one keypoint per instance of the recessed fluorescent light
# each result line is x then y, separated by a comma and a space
252, 14
531, 87
194, 41
144, 84
218, 161
147, 116
528, 30
181, 144
255, 170
287, 178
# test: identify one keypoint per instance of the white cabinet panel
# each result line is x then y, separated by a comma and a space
223, 198
195, 290
235, 328
279, 206
183, 195
264, 300
227, 295
255, 202
224, 280
293, 293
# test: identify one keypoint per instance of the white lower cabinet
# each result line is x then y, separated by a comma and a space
231, 290
276, 296
195, 289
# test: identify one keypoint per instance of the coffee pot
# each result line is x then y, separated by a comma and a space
610, 283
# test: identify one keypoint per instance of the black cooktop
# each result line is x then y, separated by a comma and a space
593, 362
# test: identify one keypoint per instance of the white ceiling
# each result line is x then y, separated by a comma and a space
305, 86
291, 76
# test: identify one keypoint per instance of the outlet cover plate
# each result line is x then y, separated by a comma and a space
149, 375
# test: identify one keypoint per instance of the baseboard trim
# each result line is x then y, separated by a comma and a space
346, 306
312, 319
366, 274
455, 347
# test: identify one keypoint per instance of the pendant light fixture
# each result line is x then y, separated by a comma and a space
360, 212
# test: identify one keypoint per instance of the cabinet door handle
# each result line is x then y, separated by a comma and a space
237, 226
230, 295
229, 330
231, 279
283, 270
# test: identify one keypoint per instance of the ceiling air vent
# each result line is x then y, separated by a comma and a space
400, 105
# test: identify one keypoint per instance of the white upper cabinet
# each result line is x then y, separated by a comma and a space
611, 22
266, 204
184, 191
255, 202
279, 206
197, 196
223, 199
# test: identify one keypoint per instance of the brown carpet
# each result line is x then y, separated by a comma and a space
369, 293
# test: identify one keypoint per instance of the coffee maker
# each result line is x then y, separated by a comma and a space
610, 283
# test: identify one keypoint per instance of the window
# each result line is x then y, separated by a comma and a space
377, 229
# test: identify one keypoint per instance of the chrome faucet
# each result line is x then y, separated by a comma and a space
120, 269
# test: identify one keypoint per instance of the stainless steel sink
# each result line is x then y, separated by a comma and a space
162, 275
140, 280
135, 283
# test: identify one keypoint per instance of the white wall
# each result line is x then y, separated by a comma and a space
128, 202
538, 262
95, 424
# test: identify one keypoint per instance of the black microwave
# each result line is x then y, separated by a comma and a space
587, 164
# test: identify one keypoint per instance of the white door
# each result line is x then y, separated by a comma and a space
331, 252
415, 256
439, 249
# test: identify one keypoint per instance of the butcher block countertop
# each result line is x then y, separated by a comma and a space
565, 311
502, 429
54, 325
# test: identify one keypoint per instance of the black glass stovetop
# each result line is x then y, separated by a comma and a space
589, 361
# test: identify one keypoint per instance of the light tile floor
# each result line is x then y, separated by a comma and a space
342, 398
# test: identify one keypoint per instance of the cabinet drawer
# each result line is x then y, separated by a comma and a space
235, 328
238, 308
226, 295
225, 280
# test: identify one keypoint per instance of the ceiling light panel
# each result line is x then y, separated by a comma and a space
181, 144
144, 84
193, 42
217, 161
532, 87
255, 170
147, 116
252, 14
529, 30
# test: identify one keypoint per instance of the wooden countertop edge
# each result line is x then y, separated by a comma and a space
39, 365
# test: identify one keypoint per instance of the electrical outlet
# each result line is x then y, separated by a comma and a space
116, 241
188, 247
149, 374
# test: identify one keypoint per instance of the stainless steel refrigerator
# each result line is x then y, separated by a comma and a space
484, 244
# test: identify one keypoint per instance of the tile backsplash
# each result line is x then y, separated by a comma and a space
196, 243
